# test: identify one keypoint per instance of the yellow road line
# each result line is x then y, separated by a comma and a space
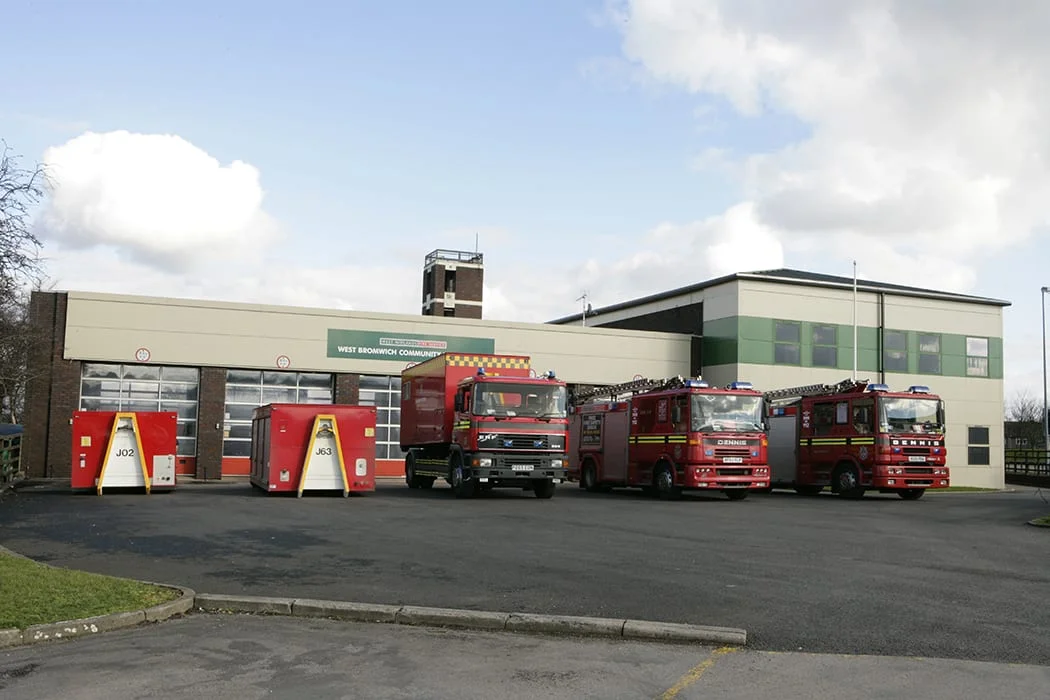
694, 674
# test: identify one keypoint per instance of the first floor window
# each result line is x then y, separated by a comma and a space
977, 357
895, 351
787, 348
825, 346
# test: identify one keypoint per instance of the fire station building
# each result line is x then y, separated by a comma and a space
786, 328
214, 362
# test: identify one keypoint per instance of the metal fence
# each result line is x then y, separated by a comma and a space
10, 458
1028, 467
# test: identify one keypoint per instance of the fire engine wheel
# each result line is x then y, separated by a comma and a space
911, 494
847, 481
410, 471
589, 480
664, 481
463, 488
543, 488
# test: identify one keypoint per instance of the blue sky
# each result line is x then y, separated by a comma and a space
564, 136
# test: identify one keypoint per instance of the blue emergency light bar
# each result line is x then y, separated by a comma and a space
481, 371
741, 385
878, 387
696, 383
919, 389
550, 374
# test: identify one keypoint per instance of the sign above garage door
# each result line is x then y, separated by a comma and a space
407, 347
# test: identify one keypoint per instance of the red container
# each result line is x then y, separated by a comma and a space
124, 450
313, 447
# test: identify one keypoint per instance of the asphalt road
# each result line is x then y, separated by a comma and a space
952, 575
243, 657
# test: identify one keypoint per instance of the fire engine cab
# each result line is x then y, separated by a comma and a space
669, 435
856, 436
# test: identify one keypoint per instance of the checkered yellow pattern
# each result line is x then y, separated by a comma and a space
489, 361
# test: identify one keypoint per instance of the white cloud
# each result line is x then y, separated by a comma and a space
156, 198
927, 122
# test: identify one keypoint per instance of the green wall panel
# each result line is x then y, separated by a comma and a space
750, 340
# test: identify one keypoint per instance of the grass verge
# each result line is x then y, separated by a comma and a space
1045, 520
35, 594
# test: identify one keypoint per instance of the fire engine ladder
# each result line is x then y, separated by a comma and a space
633, 387
798, 392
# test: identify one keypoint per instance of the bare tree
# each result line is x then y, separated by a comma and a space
21, 270
20, 190
1025, 414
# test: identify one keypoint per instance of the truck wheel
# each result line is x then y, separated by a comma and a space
463, 488
543, 488
589, 481
847, 481
410, 471
735, 494
664, 482
911, 494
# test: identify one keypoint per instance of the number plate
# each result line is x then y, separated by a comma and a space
916, 458
732, 460
521, 467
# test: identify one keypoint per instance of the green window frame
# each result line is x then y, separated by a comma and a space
825, 351
929, 353
977, 356
894, 351
787, 342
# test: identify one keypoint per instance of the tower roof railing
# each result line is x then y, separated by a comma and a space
463, 256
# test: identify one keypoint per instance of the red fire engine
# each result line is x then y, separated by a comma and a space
854, 436
669, 435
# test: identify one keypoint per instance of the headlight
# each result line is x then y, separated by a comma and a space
556, 464
485, 462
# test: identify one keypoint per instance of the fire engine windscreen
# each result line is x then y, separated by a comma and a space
910, 415
717, 412
509, 399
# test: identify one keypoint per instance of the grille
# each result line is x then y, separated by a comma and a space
523, 442
533, 461
733, 472
732, 452
918, 470
916, 450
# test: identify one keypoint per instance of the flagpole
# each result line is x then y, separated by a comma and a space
854, 320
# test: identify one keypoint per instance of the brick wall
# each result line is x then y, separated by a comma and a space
347, 388
211, 416
53, 393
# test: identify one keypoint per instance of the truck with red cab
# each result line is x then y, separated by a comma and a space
481, 422
667, 436
856, 436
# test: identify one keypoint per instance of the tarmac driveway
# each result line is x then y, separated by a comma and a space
953, 575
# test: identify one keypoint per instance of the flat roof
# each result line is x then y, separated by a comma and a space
788, 276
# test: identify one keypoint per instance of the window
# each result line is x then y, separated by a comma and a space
787, 350
895, 351
825, 346
823, 418
929, 353
450, 311
976, 357
978, 453
248, 389
450, 281
106, 387
864, 416
385, 394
